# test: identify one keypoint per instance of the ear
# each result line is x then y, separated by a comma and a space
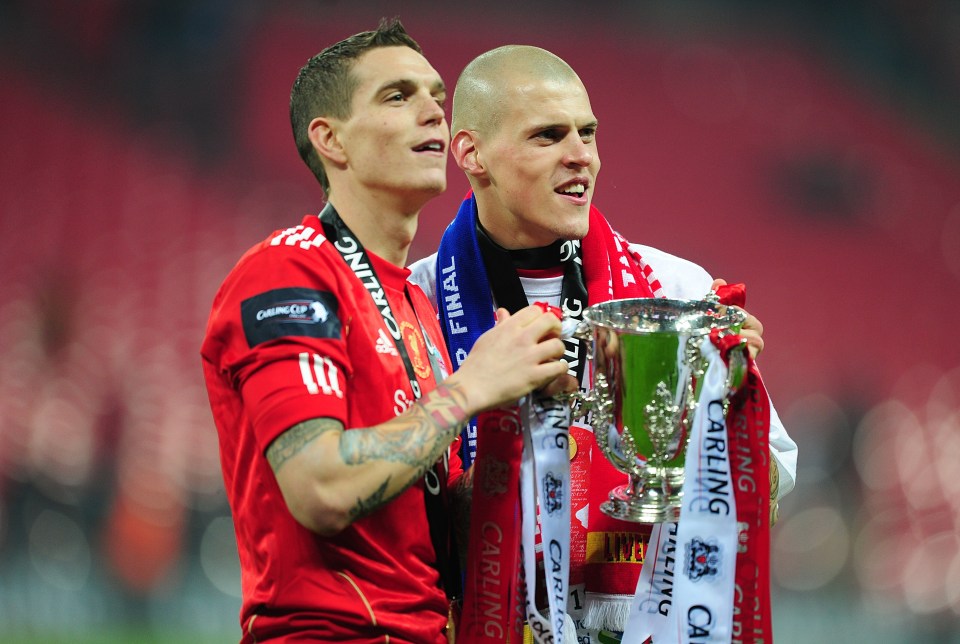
324, 136
463, 146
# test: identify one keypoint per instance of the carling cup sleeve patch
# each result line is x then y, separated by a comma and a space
290, 312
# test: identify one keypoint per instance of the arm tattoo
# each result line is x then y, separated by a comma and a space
378, 499
364, 507
446, 408
292, 441
415, 438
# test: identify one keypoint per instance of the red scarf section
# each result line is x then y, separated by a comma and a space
748, 431
491, 607
491, 601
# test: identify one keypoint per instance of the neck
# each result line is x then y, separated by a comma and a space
541, 257
504, 228
385, 229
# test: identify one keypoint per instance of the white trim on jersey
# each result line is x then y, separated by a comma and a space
322, 375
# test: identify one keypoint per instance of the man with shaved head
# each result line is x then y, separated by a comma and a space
525, 134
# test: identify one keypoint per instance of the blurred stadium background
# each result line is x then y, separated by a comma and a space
809, 149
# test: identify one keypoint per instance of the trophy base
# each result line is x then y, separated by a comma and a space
647, 506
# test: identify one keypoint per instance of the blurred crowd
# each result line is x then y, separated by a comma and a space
129, 189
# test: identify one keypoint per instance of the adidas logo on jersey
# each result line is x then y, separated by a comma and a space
386, 345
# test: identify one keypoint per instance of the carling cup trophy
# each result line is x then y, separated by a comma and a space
647, 366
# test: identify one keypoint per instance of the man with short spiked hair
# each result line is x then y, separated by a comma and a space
324, 365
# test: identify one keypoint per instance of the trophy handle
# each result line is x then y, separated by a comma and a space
737, 367
737, 359
619, 449
581, 403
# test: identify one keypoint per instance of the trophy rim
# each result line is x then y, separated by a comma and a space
648, 315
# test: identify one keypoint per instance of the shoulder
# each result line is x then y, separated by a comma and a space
289, 253
305, 241
423, 273
679, 277
292, 281
296, 259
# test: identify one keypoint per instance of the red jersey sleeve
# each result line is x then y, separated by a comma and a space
277, 334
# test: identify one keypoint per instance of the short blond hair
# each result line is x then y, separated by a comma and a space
479, 99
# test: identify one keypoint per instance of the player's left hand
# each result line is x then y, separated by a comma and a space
752, 330
562, 384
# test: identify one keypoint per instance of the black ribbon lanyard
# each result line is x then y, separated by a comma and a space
502, 265
356, 258
358, 261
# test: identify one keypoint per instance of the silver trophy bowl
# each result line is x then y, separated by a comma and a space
646, 368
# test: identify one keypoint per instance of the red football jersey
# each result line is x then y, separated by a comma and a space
293, 335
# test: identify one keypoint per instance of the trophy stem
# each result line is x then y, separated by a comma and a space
648, 497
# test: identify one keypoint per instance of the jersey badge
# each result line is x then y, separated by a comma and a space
416, 349
290, 312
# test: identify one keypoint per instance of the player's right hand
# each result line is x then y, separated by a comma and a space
521, 353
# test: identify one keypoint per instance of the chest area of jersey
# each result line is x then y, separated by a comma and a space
389, 352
